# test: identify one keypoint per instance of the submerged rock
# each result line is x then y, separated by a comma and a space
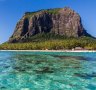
71, 57
44, 70
85, 75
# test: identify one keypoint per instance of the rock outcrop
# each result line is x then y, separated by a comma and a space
62, 21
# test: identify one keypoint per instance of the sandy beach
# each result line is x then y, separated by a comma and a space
52, 50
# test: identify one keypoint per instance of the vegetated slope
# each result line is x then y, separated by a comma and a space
52, 44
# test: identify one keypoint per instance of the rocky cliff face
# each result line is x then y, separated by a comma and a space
62, 21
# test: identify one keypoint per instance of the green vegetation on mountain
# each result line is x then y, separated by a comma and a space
50, 42
50, 11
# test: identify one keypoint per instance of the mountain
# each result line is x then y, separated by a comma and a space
59, 21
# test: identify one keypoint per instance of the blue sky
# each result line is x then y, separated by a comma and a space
12, 10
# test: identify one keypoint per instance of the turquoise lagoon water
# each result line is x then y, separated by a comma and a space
47, 71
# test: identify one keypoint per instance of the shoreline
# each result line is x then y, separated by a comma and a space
52, 50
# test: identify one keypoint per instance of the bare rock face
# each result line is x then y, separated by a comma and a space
62, 21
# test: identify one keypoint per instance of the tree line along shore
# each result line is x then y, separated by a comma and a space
86, 43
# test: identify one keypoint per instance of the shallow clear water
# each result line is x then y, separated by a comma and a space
47, 71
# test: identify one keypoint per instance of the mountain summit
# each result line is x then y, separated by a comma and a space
59, 21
